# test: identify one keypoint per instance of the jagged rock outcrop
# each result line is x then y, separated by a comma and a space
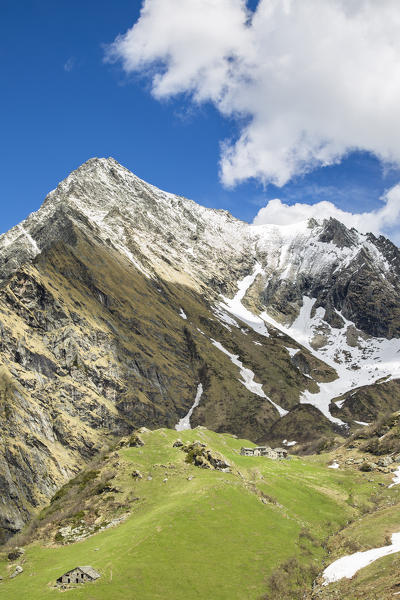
200, 456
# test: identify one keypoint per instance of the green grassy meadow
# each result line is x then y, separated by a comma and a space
218, 535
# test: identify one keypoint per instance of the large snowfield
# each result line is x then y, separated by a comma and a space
370, 360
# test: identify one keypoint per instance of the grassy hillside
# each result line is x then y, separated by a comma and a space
259, 531
378, 580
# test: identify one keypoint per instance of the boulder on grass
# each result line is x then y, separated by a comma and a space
15, 553
17, 571
135, 441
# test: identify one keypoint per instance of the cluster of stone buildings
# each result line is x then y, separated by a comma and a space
274, 453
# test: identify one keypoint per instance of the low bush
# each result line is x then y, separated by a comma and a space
291, 580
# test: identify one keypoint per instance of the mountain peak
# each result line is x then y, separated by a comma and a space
96, 185
337, 233
98, 162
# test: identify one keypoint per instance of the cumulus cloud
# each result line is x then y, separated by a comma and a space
385, 220
307, 80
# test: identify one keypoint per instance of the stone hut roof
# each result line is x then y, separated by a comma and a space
89, 571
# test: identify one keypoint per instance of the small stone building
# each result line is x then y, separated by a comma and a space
79, 575
264, 451
247, 451
281, 452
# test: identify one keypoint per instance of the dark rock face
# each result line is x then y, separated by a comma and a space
304, 423
364, 289
300, 360
367, 403
336, 233
16, 553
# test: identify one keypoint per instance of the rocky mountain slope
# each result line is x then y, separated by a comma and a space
122, 306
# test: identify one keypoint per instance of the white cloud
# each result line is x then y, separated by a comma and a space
307, 80
69, 65
385, 220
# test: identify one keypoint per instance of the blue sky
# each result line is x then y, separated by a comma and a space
61, 104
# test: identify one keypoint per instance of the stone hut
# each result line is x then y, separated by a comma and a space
247, 451
281, 452
79, 575
264, 451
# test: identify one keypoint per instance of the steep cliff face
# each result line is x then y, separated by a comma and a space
355, 274
117, 300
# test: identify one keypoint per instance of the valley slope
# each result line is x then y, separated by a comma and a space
154, 525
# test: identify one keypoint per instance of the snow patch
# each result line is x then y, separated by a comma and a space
184, 423
396, 478
349, 565
224, 318
340, 403
182, 314
334, 465
293, 351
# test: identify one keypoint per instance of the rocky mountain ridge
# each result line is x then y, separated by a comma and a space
119, 301
321, 259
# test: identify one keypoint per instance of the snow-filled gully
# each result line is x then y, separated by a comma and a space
248, 378
184, 423
235, 307
349, 565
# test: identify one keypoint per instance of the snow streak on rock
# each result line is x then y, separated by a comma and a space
349, 565
30, 239
184, 423
225, 320
396, 478
362, 363
235, 307
248, 378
